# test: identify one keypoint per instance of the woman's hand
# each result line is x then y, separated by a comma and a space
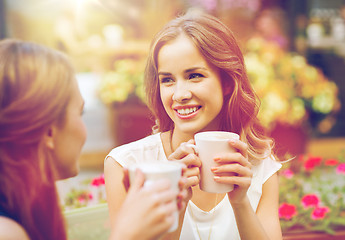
147, 212
185, 154
236, 165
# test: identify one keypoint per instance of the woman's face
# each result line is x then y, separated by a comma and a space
70, 137
190, 88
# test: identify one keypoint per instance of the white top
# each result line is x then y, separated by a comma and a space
221, 218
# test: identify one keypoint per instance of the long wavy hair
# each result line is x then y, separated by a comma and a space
217, 44
35, 88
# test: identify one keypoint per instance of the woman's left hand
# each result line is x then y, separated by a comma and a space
234, 168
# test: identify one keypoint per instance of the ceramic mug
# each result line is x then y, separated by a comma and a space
208, 145
154, 171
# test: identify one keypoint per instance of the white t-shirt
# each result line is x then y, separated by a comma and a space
220, 221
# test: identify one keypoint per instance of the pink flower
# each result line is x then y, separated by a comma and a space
287, 173
81, 199
90, 196
311, 163
287, 211
341, 169
97, 181
310, 200
331, 162
319, 213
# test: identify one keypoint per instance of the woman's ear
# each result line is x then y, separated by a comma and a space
227, 89
227, 84
49, 137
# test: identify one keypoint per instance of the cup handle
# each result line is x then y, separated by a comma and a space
194, 147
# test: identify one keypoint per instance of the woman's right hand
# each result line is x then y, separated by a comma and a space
186, 154
147, 212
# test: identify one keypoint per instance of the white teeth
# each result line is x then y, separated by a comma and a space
186, 111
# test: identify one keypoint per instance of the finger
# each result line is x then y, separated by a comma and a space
183, 150
182, 183
125, 179
182, 199
195, 171
240, 146
191, 160
138, 180
235, 157
192, 181
232, 168
239, 181
164, 197
161, 226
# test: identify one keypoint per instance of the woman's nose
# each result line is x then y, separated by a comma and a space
181, 93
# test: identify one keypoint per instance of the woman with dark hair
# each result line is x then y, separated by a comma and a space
41, 137
196, 81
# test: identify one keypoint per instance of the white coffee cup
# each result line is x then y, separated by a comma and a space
208, 145
154, 171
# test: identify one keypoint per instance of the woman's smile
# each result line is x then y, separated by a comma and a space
187, 112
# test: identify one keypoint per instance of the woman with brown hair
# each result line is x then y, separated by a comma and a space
41, 137
196, 81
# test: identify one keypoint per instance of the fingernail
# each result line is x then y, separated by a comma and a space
216, 178
214, 169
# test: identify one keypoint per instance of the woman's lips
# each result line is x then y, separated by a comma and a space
187, 112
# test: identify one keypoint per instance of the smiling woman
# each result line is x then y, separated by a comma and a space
195, 80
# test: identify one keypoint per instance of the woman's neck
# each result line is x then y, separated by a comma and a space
177, 137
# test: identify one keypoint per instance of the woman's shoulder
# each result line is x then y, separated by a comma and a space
266, 167
151, 141
10, 229
138, 150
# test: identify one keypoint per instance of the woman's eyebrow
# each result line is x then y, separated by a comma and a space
194, 69
186, 71
164, 73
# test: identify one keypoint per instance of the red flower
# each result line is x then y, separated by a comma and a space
331, 162
311, 163
310, 200
319, 213
287, 211
97, 181
341, 169
90, 196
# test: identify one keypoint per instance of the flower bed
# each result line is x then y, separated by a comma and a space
90, 192
312, 195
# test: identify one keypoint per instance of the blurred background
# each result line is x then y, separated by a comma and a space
294, 52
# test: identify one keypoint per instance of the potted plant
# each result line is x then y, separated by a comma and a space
122, 90
294, 95
86, 209
312, 199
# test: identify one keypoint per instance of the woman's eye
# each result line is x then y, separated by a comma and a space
166, 80
195, 75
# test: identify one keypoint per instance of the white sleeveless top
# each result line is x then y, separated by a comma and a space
221, 218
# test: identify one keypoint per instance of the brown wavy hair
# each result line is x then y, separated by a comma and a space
35, 88
219, 47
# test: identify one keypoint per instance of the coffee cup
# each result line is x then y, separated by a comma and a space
154, 171
209, 144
